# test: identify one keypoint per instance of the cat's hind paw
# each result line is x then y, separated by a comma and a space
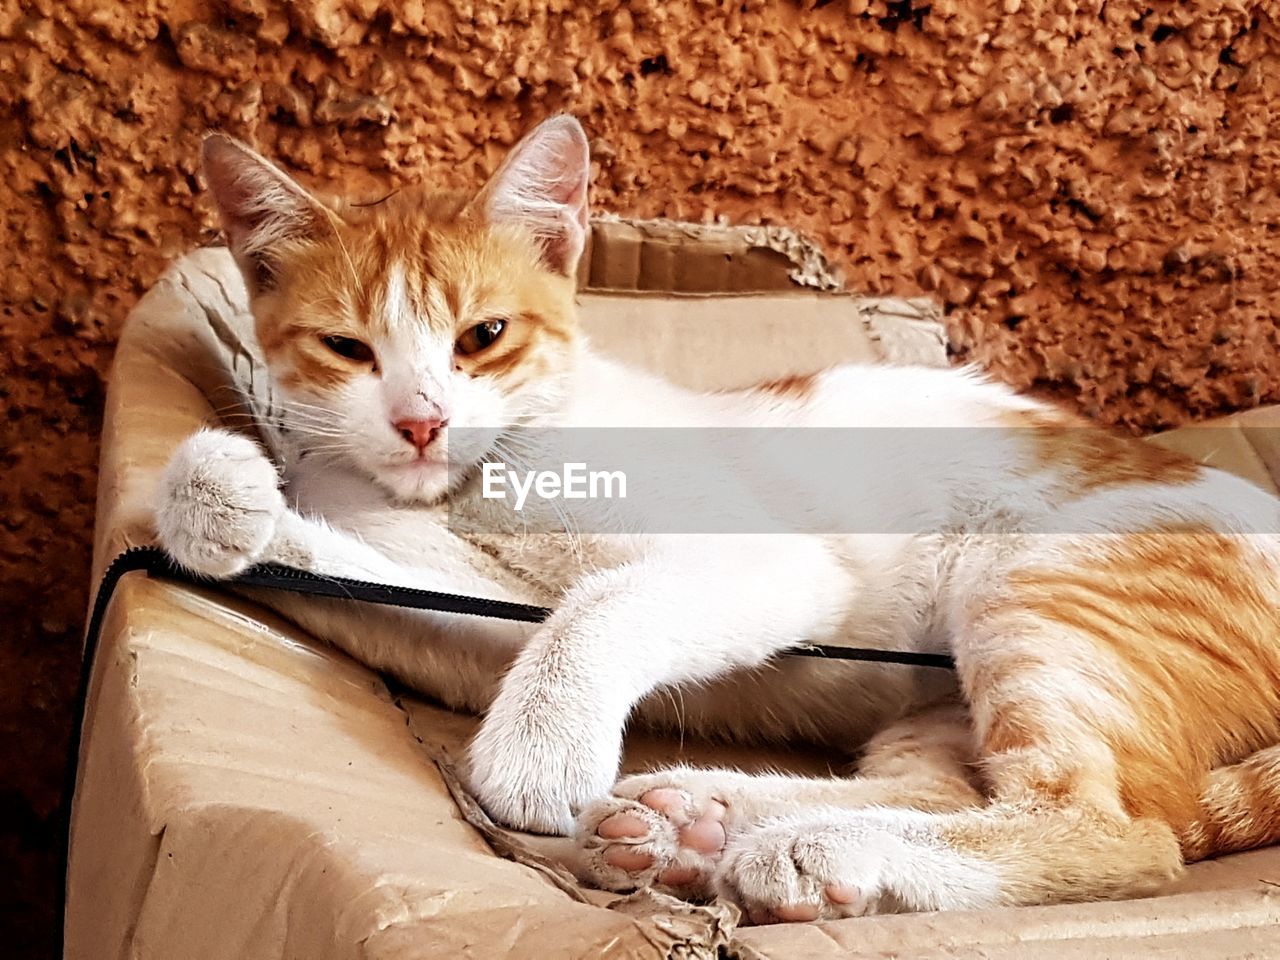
789, 872
218, 503
650, 834
826, 865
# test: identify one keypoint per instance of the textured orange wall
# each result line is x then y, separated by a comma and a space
1090, 186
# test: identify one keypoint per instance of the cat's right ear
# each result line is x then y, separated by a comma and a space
264, 212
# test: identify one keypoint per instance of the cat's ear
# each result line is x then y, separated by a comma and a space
263, 211
542, 185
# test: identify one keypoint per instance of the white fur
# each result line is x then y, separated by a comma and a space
220, 503
890, 859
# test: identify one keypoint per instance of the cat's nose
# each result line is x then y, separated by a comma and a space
420, 432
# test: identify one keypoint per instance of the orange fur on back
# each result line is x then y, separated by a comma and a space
1094, 457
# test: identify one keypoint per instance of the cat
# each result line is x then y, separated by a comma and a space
1116, 702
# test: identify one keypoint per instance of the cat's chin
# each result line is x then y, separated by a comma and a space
417, 482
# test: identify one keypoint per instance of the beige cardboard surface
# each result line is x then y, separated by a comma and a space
1247, 444
287, 814
247, 792
753, 340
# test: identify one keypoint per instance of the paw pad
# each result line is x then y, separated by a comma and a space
664, 837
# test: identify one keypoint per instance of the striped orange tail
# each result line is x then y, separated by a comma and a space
1240, 808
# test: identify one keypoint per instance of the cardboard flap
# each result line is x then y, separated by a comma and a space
281, 810
1246, 444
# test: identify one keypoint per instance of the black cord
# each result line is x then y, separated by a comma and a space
156, 563
277, 577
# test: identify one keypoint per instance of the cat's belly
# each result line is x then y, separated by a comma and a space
836, 703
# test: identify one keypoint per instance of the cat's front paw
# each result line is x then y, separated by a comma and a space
218, 503
530, 770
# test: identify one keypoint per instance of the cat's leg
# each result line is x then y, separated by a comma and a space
685, 609
220, 510
1067, 763
832, 863
670, 827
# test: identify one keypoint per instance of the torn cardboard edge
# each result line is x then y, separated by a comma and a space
676, 257
640, 258
692, 928
504, 842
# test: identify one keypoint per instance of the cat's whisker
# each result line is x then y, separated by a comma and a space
330, 448
568, 523
518, 462
316, 431
294, 404
678, 708
351, 265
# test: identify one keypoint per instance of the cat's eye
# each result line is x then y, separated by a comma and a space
480, 336
349, 348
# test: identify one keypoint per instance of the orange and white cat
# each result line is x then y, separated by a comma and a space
1116, 703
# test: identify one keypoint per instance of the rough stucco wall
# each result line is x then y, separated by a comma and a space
1088, 184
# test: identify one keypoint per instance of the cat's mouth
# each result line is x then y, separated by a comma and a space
425, 463
432, 473
423, 479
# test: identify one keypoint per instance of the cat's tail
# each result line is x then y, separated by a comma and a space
1239, 808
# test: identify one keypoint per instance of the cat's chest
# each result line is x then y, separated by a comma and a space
425, 536
556, 560
356, 506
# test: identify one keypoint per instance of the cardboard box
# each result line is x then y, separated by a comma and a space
247, 792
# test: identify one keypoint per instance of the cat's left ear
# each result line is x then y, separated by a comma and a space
542, 185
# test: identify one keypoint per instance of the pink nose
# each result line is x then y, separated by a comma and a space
419, 432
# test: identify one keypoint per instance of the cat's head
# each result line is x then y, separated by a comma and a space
388, 327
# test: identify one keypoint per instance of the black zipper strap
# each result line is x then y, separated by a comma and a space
274, 576
906, 658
